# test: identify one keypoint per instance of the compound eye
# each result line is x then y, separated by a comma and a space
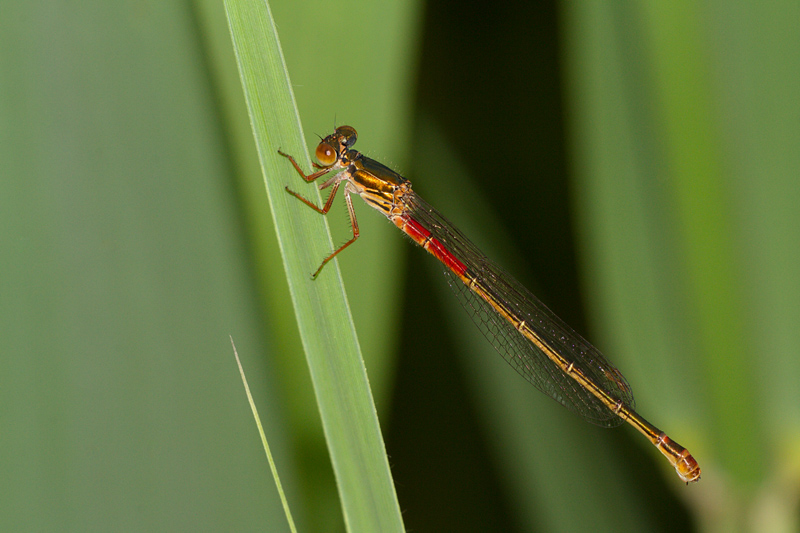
326, 154
348, 134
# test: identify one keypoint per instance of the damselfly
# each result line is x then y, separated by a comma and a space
533, 340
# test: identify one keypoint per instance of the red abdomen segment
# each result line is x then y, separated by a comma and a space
423, 237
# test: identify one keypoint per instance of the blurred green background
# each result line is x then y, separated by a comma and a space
635, 165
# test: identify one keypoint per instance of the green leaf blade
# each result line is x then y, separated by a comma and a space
345, 403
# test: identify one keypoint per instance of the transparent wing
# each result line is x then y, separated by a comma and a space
524, 356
